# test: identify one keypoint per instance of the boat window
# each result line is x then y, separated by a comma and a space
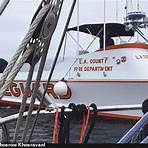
108, 42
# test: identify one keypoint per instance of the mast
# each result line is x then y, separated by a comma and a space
78, 24
104, 36
116, 17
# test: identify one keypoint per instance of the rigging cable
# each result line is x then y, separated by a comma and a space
46, 34
54, 62
13, 68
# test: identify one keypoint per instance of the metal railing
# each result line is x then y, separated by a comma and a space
136, 133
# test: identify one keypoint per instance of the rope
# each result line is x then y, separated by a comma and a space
61, 137
19, 51
84, 125
37, 84
92, 123
67, 127
34, 61
56, 127
15, 71
56, 10
46, 36
77, 112
65, 118
83, 121
23, 103
5, 136
61, 131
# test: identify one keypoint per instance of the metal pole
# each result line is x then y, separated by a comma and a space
3, 6
126, 7
128, 136
117, 17
104, 36
78, 10
144, 141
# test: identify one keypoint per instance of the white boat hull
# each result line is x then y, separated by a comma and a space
102, 93
117, 76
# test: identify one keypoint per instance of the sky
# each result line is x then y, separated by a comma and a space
15, 21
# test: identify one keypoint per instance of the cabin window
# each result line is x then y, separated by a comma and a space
108, 42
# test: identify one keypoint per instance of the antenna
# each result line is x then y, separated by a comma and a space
135, 20
126, 7
138, 7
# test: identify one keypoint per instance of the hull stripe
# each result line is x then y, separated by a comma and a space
104, 115
95, 81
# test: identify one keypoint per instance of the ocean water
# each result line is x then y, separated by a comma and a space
105, 130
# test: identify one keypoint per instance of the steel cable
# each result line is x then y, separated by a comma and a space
22, 46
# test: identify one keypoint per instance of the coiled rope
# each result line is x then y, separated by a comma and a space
77, 112
64, 123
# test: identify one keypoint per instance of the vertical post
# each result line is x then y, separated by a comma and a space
137, 10
126, 7
104, 34
116, 17
78, 10
138, 5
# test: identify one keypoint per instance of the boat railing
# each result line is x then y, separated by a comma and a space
138, 133
5, 130
52, 110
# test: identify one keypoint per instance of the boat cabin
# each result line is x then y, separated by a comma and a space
111, 30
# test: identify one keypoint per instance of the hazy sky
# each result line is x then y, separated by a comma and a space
16, 19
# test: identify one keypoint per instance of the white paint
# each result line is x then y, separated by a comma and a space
60, 88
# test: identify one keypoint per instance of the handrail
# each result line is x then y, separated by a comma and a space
139, 125
145, 140
128, 45
15, 116
53, 110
